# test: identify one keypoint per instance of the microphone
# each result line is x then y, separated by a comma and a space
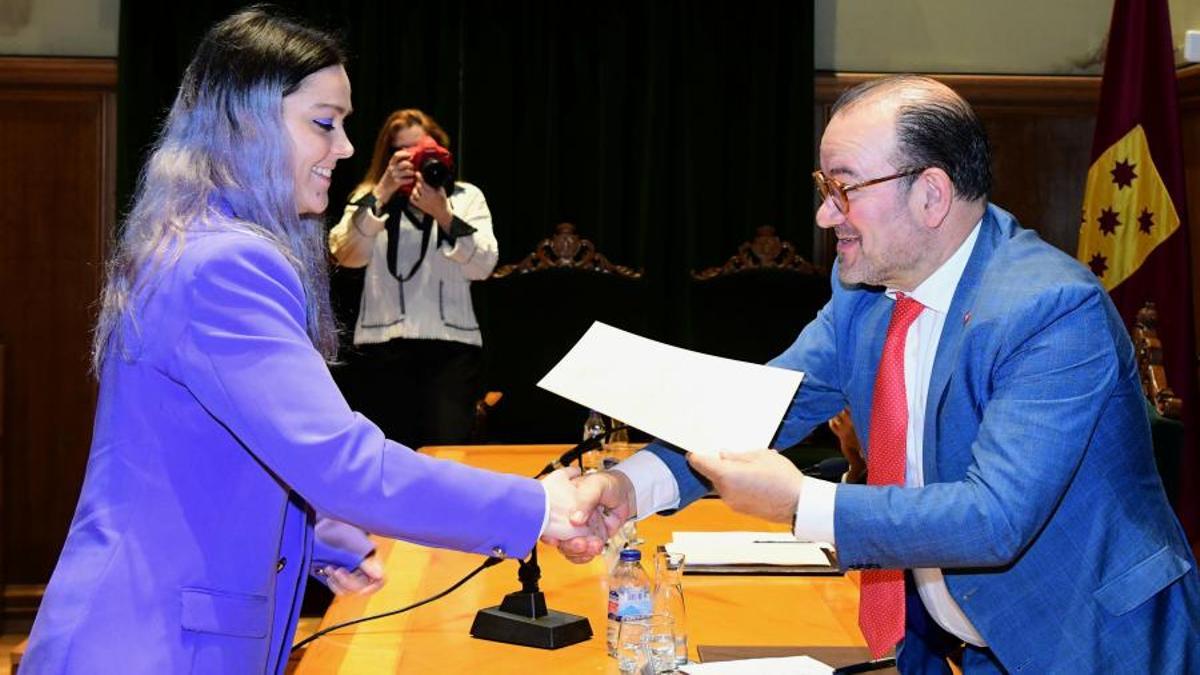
522, 617
577, 451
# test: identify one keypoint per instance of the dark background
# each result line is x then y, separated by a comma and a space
666, 130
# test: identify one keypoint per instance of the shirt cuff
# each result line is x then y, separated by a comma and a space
458, 228
370, 224
462, 251
654, 486
814, 511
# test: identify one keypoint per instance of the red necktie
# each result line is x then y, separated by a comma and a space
881, 600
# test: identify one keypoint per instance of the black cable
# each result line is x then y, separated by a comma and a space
362, 619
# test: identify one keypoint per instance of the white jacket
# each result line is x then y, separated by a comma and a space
435, 304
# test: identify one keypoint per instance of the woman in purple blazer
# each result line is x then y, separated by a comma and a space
219, 433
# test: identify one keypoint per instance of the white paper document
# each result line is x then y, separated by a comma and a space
748, 548
782, 665
699, 402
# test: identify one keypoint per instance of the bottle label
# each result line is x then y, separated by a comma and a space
628, 603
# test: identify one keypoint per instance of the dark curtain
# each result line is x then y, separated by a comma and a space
666, 130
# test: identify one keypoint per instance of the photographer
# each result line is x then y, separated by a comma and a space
423, 238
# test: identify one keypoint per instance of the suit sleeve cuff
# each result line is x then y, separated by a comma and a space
814, 511
339, 544
654, 486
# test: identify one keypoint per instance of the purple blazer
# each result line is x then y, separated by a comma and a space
218, 435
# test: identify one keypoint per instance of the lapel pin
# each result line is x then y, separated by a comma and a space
966, 318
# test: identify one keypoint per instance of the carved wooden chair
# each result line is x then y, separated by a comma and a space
1163, 407
531, 313
755, 304
1148, 348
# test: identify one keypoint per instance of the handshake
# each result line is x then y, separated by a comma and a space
586, 510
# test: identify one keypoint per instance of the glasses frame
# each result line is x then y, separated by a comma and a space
831, 187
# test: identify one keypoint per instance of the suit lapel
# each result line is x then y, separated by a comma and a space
992, 231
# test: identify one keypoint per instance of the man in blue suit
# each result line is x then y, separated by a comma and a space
1009, 460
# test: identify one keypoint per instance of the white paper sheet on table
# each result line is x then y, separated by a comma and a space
701, 403
782, 665
748, 548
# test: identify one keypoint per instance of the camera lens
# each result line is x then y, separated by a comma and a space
435, 173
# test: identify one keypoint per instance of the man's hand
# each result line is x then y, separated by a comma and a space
761, 483
365, 579
606, 501
571, 518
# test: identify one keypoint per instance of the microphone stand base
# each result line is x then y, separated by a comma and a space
550, 631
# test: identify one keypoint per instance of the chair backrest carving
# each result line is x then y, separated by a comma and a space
765, 251
566, 249
531, 314
1148, 348
753, 307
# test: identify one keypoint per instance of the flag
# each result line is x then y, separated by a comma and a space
1133, 233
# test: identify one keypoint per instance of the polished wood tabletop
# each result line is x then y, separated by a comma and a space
721, 610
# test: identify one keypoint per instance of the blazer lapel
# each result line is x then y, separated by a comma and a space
991, 233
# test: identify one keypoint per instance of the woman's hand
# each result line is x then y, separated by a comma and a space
365, 579
399, 173
432, 201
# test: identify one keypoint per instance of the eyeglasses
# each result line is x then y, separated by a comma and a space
832, 187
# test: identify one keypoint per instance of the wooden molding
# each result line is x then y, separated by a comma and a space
1189, 85
75, 73
1000, 91
21, 602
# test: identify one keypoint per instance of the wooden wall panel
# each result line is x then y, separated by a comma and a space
57, 127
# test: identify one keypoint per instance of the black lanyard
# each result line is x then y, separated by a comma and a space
397, 209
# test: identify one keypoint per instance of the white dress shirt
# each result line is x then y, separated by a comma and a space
656, 488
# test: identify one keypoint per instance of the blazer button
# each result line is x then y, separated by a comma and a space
497, 552
280, 565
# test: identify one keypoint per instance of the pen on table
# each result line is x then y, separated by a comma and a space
866, 666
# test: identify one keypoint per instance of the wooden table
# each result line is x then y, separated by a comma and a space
722, 610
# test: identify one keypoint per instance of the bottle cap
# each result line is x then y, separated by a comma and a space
631, 555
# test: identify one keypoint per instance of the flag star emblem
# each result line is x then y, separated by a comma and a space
1146, 221
1109, 220
1123, 174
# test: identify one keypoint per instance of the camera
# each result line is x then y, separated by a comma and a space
435, 163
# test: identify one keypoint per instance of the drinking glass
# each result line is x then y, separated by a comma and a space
660, 643
633, 657
668, 596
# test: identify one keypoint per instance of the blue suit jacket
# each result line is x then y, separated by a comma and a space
216, 438
1042, 504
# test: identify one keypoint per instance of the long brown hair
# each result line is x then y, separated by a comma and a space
401, 119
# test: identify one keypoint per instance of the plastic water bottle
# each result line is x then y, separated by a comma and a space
628, 594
